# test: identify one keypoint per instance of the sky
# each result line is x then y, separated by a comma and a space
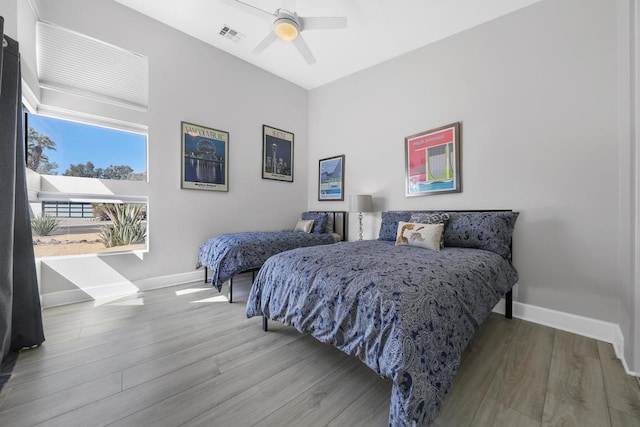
80, 143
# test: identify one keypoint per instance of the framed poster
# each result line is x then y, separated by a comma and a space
331, 178
432, 161
205, 158
277, 154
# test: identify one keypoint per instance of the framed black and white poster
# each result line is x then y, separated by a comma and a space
277, 154
205, 158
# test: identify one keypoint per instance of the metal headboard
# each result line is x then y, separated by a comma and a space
339, 222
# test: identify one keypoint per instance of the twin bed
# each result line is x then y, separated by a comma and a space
231, 254
406, 311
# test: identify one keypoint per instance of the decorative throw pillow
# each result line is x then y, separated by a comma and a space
319, 221
330, 227
304, 225
431, 218
491, 231
389, 225
422, 235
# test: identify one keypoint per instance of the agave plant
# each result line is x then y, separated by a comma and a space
44, 225
126, 226
99, 212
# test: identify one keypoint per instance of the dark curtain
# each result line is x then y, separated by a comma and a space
20, 313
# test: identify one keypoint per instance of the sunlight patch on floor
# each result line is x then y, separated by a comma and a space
219, 298
132, 302
190, 291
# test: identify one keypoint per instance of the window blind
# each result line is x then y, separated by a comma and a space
75, 63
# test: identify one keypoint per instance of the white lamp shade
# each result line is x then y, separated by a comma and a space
360, 203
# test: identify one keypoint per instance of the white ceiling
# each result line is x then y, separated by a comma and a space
377, 30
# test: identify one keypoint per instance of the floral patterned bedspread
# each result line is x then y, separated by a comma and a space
230, 254
407, 312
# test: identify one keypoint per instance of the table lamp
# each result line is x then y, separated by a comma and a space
360, 203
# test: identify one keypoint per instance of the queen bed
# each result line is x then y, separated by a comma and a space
231, 254
405, 310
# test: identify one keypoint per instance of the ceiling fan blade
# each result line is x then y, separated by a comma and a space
322, 23
271, 37
251, 9
302, 47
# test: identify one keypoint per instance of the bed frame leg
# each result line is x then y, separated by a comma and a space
230, 290
508, 305
265, 324
206, 270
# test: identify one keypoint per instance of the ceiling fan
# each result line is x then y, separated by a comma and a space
287, 26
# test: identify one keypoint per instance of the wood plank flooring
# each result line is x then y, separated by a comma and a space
184, 356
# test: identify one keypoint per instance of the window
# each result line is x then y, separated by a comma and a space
77, 207
68, 209
73, 212
62, 147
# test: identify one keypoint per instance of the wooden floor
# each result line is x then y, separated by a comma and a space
184, 356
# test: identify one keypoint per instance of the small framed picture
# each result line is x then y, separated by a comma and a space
432, 161
205, 158
277, 154
331, 178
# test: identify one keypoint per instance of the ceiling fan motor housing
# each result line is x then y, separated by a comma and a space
286, 25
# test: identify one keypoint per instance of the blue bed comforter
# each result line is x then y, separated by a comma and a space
407, 312
230, 254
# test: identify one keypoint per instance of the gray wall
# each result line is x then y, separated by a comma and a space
9, 11
628, 91
189, 81
536, 92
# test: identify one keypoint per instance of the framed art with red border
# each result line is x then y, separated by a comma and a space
432, 161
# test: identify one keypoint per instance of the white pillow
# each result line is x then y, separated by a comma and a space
304, 225
422, 235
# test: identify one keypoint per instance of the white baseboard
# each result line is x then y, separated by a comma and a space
54, 299
72, 296
585, 326
171, 280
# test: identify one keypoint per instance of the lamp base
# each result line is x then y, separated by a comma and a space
360, 226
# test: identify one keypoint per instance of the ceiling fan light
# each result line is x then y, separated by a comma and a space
286, 30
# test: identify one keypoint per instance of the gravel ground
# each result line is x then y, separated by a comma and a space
75, 244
